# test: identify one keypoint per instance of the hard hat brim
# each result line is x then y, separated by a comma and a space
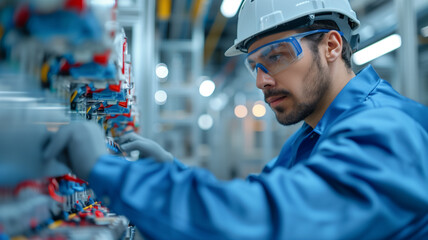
233, 51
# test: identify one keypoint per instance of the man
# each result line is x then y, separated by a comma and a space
357, 168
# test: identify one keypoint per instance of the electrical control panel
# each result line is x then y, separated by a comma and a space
71, 56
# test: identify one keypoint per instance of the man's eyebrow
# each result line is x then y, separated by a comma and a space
268, 50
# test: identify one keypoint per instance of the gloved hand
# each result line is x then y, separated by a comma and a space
78, 145
147, 148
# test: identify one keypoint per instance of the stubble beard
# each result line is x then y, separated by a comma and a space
316, 85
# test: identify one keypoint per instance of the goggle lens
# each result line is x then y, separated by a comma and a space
276, 56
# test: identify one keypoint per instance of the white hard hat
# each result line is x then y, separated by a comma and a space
257, 17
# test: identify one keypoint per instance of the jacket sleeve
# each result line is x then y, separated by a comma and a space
366, 180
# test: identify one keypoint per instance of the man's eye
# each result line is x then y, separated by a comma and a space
253, 66
274, 57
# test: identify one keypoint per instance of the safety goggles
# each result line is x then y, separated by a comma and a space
275, 56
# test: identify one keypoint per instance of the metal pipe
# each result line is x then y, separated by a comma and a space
408, 53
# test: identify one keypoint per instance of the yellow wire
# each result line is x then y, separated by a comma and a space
197, 9
19, 238
71, 216
73, 96
55, 224
164, 9
44, 72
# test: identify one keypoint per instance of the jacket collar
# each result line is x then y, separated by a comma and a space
356, 91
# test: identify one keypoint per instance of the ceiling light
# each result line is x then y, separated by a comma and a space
229, 8
377, 49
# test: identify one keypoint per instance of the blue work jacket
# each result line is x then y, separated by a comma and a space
362, 173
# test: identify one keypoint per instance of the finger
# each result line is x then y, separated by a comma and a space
167, 157
131, 146
146, 155
57, 143
127, 138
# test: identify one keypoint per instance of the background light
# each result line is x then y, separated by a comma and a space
219, 102
161, 97
259, 110
241, 111
205, 122
207, 88
424, 31
107, 3
125, 3
229, 8
377, 49
162, 70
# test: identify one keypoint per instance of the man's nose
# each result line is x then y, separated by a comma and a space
263, 79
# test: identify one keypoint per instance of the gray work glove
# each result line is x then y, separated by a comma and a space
78, 145
147, 148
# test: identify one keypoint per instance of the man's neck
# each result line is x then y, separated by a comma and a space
339, 76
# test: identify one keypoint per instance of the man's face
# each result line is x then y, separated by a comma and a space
294, 93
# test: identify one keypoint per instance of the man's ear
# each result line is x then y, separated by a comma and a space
334, 46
